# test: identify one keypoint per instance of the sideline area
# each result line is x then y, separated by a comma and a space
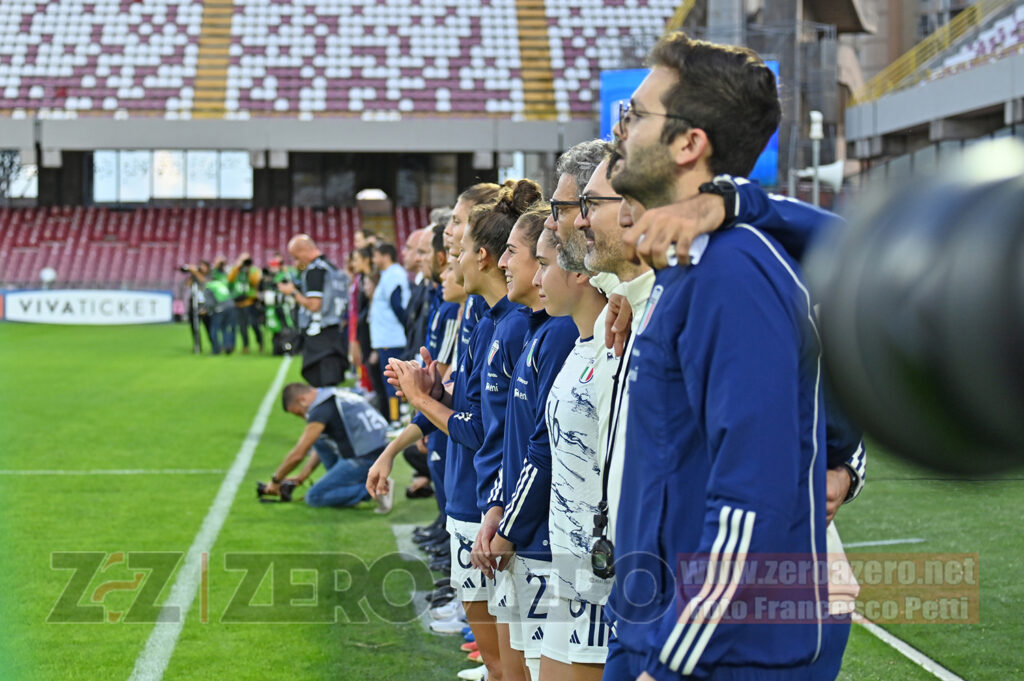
143, 433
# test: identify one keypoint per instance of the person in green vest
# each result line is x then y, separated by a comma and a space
218, 302
223, 318
279, 307
244, 278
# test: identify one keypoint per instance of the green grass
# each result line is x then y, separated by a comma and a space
977, 516
135, 398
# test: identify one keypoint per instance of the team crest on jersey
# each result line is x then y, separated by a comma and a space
587, 374
529, 355
652, 303
495, 346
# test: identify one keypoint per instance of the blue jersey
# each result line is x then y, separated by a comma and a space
465, 426
473, 309
442, 329
725, 462
525, 486
441, 341
511, 324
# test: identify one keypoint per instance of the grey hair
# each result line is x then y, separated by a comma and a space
580, 161
440, 216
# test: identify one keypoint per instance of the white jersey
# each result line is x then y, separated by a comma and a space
572, 415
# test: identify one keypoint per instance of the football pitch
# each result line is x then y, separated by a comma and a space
127, 486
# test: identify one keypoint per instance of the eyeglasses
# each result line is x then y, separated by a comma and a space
627, 112
555, 204
586, 201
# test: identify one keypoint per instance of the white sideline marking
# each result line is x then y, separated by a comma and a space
152, 661
908, 651
403, 539
884, 542
123, 471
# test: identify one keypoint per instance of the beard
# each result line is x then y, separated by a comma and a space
648, 175
572, 253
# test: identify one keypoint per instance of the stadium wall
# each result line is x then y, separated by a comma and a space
328, 135
964, 105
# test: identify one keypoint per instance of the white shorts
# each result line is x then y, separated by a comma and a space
470, 583
576, 632
534, 598
502, 602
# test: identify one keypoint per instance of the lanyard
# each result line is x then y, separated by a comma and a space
601, 519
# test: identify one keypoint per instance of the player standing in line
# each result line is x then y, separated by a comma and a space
518, 502
727, 351
478, 423
457, 384
576, 634
441, 340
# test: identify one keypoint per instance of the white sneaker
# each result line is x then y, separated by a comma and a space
478, 674
452, 626
448, 611
386, 502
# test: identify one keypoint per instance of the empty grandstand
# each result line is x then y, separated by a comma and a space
252, 58
149, 133
959, 85
143, 248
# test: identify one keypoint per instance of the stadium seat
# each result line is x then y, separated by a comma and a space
379, 61
66, 56
144, 248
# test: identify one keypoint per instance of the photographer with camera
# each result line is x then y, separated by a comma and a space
245, 278
279, 309
198, 310
219, 306
346, 434
324, 314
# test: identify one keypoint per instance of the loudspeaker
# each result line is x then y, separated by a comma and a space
831, 175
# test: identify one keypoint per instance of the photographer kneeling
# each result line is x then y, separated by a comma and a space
345, 433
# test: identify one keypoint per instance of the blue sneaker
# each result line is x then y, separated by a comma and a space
467, 630
470, 637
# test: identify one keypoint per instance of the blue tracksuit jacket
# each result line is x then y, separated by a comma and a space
511, 324
465, 425
442, 338
725, 462
524, 488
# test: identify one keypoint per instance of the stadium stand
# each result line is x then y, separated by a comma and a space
1005, 36
587, 36
66, 56
143, 248
257, 58
376, 59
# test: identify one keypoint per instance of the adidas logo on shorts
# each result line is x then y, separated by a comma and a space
574, 638
468, 584
538, 635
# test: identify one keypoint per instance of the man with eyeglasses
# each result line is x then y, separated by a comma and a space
725, 456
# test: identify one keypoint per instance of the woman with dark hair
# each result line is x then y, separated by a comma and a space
476, 420
519, 502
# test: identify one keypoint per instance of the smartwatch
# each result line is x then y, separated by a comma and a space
724, 187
